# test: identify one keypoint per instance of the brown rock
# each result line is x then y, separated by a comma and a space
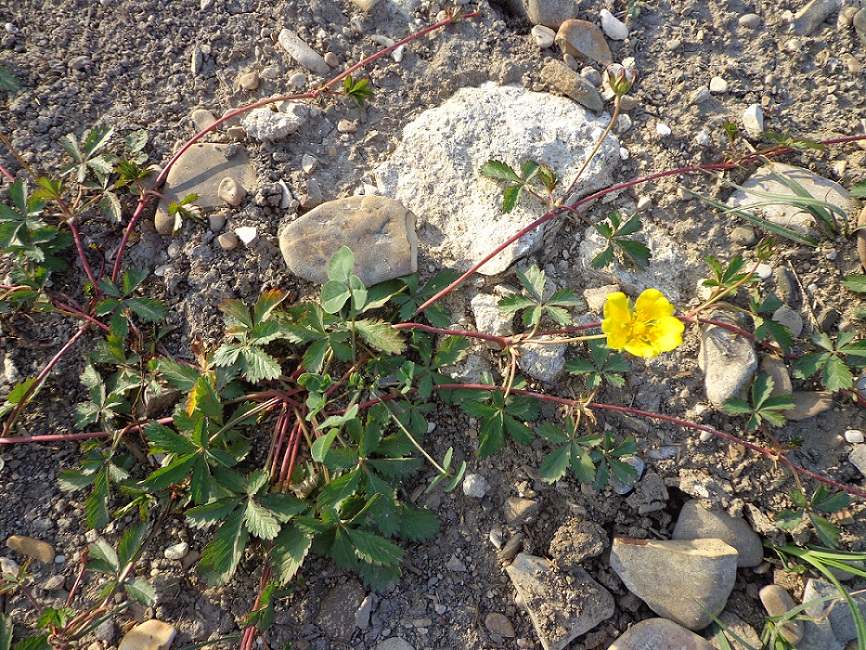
379, 230
778, 602
499, 625
37, 549
561, 79
583, 38
519, 511
808, 404
336, 616
230, 192
658, 633
249, 81
150, 635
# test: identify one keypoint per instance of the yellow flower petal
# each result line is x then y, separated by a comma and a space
616, 307
645, 330
669, 333
652, 304
639, 348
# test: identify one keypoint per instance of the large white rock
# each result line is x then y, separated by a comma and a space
436, 169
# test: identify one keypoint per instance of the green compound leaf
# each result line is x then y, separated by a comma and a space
499, 170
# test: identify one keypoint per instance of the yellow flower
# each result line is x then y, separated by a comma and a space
645, 330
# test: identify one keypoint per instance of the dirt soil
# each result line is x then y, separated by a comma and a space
127, 63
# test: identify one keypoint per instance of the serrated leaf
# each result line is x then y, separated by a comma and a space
140, 591
339, 489
201, 516
855, 283
110, 208
828, 533
179, 375
808, 365
499, 170
6, 627
149, 310
164, 440
636, 251
554, 466
221, 556
374, 549
288, 552
511, 197
418, 524
10, 82
136, 141
96, 139
491, 436
130, 542
322, 444
380, 335
788, 519
604, 258
96, 505
533, 281
259, 521
171, 474
236, 313
837, 376
258, 365
71, 480
833, 503
102, 557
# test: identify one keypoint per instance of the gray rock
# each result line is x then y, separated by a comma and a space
859, 23
543, 36
836, 611
562, 605
583, 38
394, 643
612, 26
249, 81
818, 635
776, 369
54, 582
744, 236
366, 5
475, 486
750, 21
857, 458
658, 633
778, 602
681, 580
561, 79
199, 171
813, 14
380, 232
786, 316
303, 53
543, 361
489, 319
808, 404
787, 287
551, 13
518, 511
738, 629
336, 617
727, 360
696, 522
312, 195
266, 124
202, 118
763, 180
362, 616
105, 631
499, 625
577, 541
230, 192
753, 120
435, 170
176, 551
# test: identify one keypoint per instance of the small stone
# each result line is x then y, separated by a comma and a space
9, 566
247, 234
228, 241
808, 404
612, 26
37, 549
312, 196
489, 319
673, 44
512, 547
196, 60
778, 602
346, 126
543, 361
266, 124
362, 616
551, 13
365, 5
703, 138
455, 565
854, 436
475, 486
744, 236
623, 123
700, 95
813, 14
789, 318
230, 192
519, 511
828, 318
727, 360
331, 59
394, 643
846, 17
379, 230
105, 631
691, 595
577, 541
750, 21
658, 633
776, 370
857, 458
718, 85
854, 66
562, 605
54, 583
297, 81
499, 625
543, 36
662, 130
753, 120
562, 79
592, 75
336, 617
150, 635
176, 552
249, 81
696, 522
217, 221
202, 119
580, 37
764, 271
836, 610
596, 296
309, 163
302, 53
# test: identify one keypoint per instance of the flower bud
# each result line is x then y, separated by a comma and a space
619, 78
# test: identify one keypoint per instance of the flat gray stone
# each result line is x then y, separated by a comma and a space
763, 180
551, 13
561, 79
696, 522
394, 643
562, 605
489, 319
659, 633
683, 580
379, 230
543, 361
200, 170
836, 611
435, 171
858, 458
813, 14
303, 53
727, 359
266, 124
583, 38
336, 616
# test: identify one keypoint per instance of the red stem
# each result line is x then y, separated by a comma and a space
7, 174
79, 246
64, 437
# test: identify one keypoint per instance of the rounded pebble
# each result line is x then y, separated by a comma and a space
718, 85
332, 60
176, 552
750, 21
475, 486
778, 602
854, 436
228, 241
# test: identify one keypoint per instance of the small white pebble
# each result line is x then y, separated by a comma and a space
718, 85
10, 28
703, 138
624, 153
247, 234
663, 130
543, 36
399, 53
854, 436
764, 271
705, 436
59, 559
832, 254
